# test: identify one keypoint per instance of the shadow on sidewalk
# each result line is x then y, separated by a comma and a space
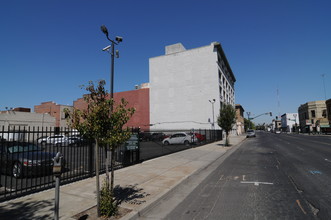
27, 209
223, 145
130, 194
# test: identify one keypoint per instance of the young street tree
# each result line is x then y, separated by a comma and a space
105, 125
226, 120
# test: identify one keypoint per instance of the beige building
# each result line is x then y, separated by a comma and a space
15, 122
240, 119
312, 116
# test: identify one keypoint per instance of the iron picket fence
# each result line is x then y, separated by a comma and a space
26, 158
26, 154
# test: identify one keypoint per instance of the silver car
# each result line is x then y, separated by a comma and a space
250, 133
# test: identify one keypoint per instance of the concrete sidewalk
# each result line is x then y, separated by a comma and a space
138, 186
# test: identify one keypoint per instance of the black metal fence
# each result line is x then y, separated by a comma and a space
154, 144
26, 154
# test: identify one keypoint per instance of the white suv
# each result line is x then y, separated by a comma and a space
180, 138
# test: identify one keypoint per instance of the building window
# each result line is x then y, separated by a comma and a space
313, 115
324, 113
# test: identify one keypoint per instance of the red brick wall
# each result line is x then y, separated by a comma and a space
50, 108
139, 99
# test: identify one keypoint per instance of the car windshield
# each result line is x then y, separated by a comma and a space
250, 131
19, 148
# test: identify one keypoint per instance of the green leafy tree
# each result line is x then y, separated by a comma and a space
226, 120
105, 124
248, 124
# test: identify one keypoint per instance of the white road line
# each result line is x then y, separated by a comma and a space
256, 183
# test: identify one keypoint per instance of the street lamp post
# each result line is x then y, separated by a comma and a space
112, 53
249, 114
212, 103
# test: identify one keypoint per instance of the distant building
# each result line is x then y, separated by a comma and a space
54, 110
16, 120
183, 81
289, 122
312, 115
240, 119
276, 125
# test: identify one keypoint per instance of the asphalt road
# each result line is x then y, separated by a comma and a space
272, 176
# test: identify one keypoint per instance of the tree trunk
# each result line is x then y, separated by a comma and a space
227, 143
107, 164
97, 175
112, 161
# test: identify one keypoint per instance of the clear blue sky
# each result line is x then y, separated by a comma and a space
49, 48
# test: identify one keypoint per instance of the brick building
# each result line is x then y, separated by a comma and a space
240, 119
138, 98
54, 110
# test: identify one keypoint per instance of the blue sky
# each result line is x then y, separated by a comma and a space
50, 48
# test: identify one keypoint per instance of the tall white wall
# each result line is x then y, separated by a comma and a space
180, 86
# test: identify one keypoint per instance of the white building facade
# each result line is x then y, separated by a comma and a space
289, 122
189, 87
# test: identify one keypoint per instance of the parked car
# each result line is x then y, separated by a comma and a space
144, 136
250, 133
200, 137
23, 159
157, 136
55, 140
180, 138
42, 140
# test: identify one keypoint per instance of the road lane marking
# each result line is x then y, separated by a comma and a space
256, 183
315, 172
327, 160
299, 204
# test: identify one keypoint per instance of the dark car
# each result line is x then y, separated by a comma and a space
23, 159
144, 136
156, 136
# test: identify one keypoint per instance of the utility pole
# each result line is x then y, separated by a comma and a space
323, 76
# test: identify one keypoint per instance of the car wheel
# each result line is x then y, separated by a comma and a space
187, 143
17, 171
166, 143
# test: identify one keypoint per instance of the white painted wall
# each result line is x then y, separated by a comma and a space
181, 85
25, 119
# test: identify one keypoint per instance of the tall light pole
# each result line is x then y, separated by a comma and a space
112, 53
212, 103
